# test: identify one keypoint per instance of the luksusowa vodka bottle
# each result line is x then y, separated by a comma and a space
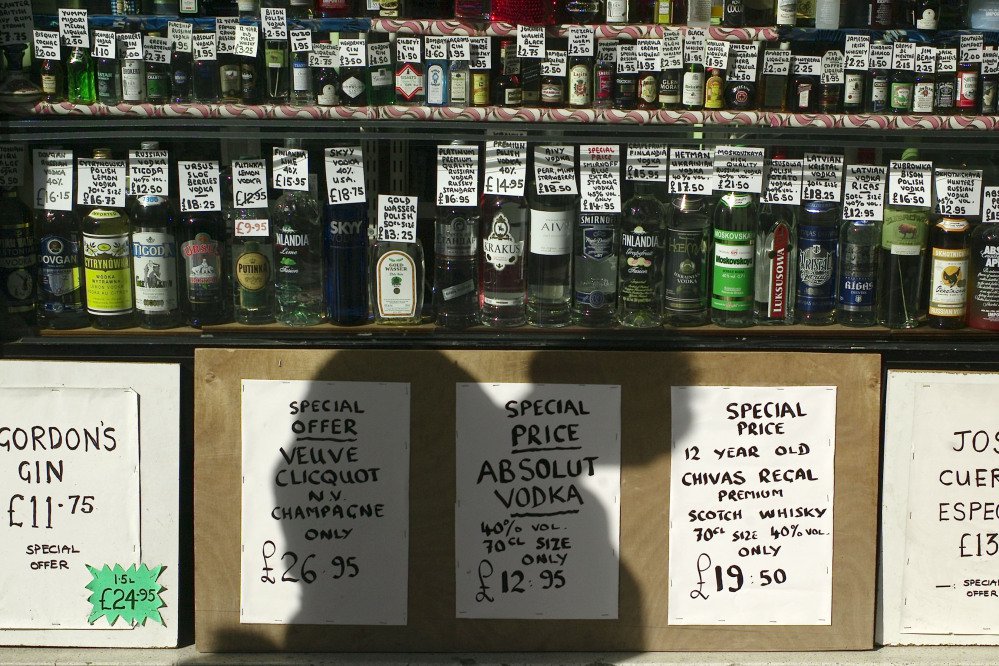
346, 250
597, 241
859, 245
298, 242
818, 238
688, 247
549, 258
776, 264
456, 269
732, 260
640, 267
502, 285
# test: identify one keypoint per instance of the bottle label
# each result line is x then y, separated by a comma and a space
639, 249
396, 288
203, 262
293, 250
513, 96
551, 232
579, 85
922, 98
107, 272
879, 90
352, 87
989, 96
853, 91
901, 95
984, 299
945, 94
967, 90
455, 291
408, 82
648, 89
551, 93
904, 230
480, 88
856, 281
59, 270
500, 248
949, 283
685, 289
617, 11
927, 20
732, 272
786, 12
816, 266
17, 257
693, 88
381, 77
301, 77
804, 93
253, 270
598, 243
778, 271
457, 238
435, 84
328, 95
154, 261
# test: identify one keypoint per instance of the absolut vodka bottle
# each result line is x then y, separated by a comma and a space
456, 240
502, 287
298, 242
597, 241
345, 245
549, 259
859, 245
776, 265
818, 238
733, 260
688, 245
640, 267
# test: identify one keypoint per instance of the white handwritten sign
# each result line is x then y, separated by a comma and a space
600, 178
959, 192
738, 169
751, 505
180, 35
199, 186
47, 45
73, 27
538, 501
823, 177
506, 168
246, 41
149, 172
397, 218
864, 192
100, 183
290, 169
555, 170
647, 162
457, 175
15, 22
344, 175
249, 184
53, 171
274, 21
104, 44
325, 510
690, 171
910, 183
784, 182
531, 41
12, 156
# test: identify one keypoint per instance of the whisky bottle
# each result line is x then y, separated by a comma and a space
640, 266
507, 90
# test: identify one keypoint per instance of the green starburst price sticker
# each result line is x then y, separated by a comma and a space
132, 594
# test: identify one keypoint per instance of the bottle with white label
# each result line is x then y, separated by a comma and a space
640, 266
785, 12
617, 11
549, 258
154, 261
597, 243
397, 282
775, 271
456, 267
949, 257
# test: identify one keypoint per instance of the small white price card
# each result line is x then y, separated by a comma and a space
910, 183
926, 59
180, 35
554, 64
156, 50
204, 46
73, 27
530, 41
458, 48
738, 169
53, 179
990, 62
627, 59
457, 175
130, 44
741, 553
249, 184
823, 177
225, 30
482, 53
290, 169
946, 60
784, 183
880, 56
832, 68
12, 156
990, 204
716, 54
746, 56
555, 170
301, 41
199, 186
864, 192
324, 55
100, 183
600, 179
648, 54
354, 53
903, 56
16, 22
607, 50
972, 47
149, 172
380, 54
345, 175
807, 65
856, 52
104, 45
777, 62
506, 167
580, 40
959, 193
397, 218
693, 46
408, 49
690, 171
647, 162
672, 51
47, 45
246, 40
435, 48
275, 23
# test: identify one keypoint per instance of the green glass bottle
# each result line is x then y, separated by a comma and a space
732, 260
80, 77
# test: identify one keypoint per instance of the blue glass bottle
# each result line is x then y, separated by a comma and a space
345, 244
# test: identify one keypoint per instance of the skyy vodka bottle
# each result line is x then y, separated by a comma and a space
345, 243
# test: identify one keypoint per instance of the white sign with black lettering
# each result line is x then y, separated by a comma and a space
204, 46
856, 52
807, 65
607, 50
627, 59
69, 466
104, 44
149, 172
73, 28
946, 60
555, 170
482, 53
249, 184
435, 48
880, 55
458, 48
822, 178
580, 40
647, 54
751, 505
600, 179
972, 46
156, 50
100, 183
959, 193
672, 51
324, 55
910, 183
530, 41
457, 175
647, 162
225, 32
538, 510
990, 204
275, 23
784, 183
53, 171
397, 218
832, 68
179, 33
290, 169
716, 54
16, 22
738, 169
12, 156
864, 192
926, 60
354, 53
345, 175
506, 168
408, 49
990, 62
745, 57
903, 56
47, 45
554, 64
690, 171
246, 40
325, 508
301, 41
777, 62
199, 186
130, 45
693, 46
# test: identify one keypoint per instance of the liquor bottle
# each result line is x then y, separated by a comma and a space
335, 9
381, 76
773, 87
189, 8
345, 243
859, 251
688, 250
625, 85
580, 82
714, 90
53, 81
881, 14
923, 92
157, 82
209, 75
549, 258
949, 255
603, 77
353, 79
902, 262
640, 266
827, 14
830, 96
397, 282
805, 13
853, 91
477, 10
641, 11
735, 222
740, 95
877, 90
481, 88
530, 81
80, 77
181, 73
428, 9
648, 90
276, 71
133, 81
409, 75
107, 264
298, 242
456, 267
502, 285
18, 262
776, 266
698, 13
327, 83
580, 11
804, 88
818, 240
436, 68
205, 298
990, 88
61, 298
506, 89
251, 83
300, 9
900, 91
301, 80
616, 11
663, 12
692, 89
927, 14
596, 243
967, 92
983, 288
785, 13
733, 14
459, 84
154, 261
108, 81
552, 85
251, 254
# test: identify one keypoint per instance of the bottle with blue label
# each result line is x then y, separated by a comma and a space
345, 240
597, 242
818, 238
859, 250
61, 297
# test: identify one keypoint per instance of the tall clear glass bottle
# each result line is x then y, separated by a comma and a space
859, 252
732, 260
456, 267
640, 267
818, 240
688, 251
775, 271
549, 258
277, 71
154, 260
597, 241
61, 297
502, 285
298, 242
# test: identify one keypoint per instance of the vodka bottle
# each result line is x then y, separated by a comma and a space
983, 289
549, 258
251, 256
205, 298
640, 267
859, 245
397, 281
345, 246
818, 239
688, 246
502, 287
597, 240
776, 264
154, 260
456, 241
298, 242
949, 257
17, 257
61, 298
732, 260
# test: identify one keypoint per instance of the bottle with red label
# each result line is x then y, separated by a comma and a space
335, 8
204, 287
776, 262
966, 97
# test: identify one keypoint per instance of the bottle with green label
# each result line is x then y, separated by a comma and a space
107, 264
640, 266
732, 260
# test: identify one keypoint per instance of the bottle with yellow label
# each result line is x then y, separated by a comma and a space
714, 90
107, 264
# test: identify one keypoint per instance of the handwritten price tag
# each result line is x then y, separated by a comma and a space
73, 28
180, 35
156, 50
225, 31
408, 49
580, 40
199, 186
204, 46
506, 168
100, 183
649, 162
301, 41
344, 176
104, 44
249, 184
530, 41
53, 171
131, 594
784, 183
246, 40
148, 172
690, 171
856, 52
275, 23
910, 183
47, 45
738, 169
600, 178
130, 44
397, 218
255, 227
864, 192
990, 206
457, 175
823, 177
290, 169
959, 193
555, 170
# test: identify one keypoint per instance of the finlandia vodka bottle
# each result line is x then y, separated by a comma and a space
456, 245
549, 259
818, 237
502, 287
688, 246
776, 264
733, 259
859, 245
640, 267
298, 242
345, 238
597, 241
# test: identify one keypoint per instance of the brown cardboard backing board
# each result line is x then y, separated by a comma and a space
645, 379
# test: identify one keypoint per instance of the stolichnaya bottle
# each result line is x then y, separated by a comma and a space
640, 266
502, 284
688, 248
776, 264
732, 260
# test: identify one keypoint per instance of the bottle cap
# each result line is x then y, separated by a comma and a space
910, 154
102, 153
149, 145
